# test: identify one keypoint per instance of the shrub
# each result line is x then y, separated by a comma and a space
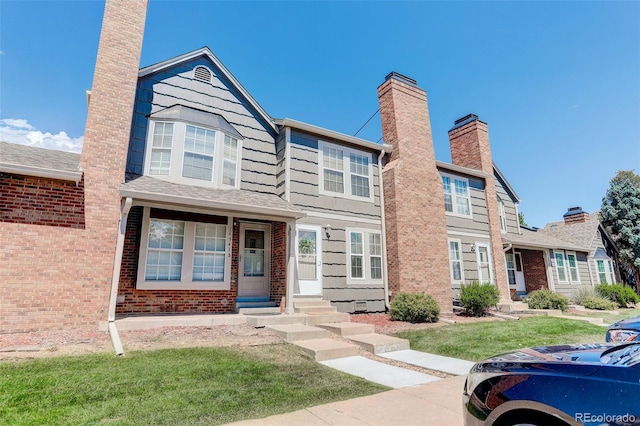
546, 299
601, 303
621, 294
414, 308
476, 298
583, 292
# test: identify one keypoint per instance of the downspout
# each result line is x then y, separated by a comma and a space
117, 263
385, 279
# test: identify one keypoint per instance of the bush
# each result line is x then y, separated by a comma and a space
596, 302
582, 293
621, 294
476, 298
546, 299
414, 308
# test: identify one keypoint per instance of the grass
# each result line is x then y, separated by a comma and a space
197, 386
608, 317
476, 341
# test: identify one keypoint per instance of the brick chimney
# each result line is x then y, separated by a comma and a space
417, 248
469, 141
575, 215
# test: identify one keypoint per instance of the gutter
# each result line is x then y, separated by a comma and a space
115, 279
67, 175
385, 279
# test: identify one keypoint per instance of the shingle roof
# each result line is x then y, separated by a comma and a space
537, 239
152, 189
578, 233
33, 161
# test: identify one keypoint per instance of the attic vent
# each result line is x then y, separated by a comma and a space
360, 306
202, 74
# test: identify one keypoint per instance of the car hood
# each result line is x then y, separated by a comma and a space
574, 354
629, 323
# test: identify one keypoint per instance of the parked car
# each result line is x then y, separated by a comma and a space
626, 330
590, 384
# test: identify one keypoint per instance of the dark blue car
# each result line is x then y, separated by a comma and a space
626, 330
590, 384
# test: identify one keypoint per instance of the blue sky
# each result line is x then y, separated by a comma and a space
557, 82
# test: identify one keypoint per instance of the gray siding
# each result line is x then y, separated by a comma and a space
469, 259
175, 86
509, 208
479, 220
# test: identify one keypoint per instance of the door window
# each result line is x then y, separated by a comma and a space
253, 253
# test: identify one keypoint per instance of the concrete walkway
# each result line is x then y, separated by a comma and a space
437, 403
453, 366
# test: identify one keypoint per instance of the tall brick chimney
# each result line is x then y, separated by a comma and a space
575, 215
417, 248
469, 141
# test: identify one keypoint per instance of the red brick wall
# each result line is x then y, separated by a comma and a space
41, 201
278, 261
53, 277
535, 272
470, 148
418, 258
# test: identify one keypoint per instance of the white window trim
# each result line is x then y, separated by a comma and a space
503, 217
176, 162
608, 270
366, 264
515, 268
566, 266
346, 161
480, 277
454, 196
459, 241
575, 255
185, 283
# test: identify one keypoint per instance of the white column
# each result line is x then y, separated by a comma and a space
291, 266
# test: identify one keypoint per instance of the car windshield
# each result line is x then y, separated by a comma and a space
622, 355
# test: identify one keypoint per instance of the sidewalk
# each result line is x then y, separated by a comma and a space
437, 403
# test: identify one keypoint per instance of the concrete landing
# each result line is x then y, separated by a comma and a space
278, 319
315, 318
379, 343
378, 372
444, 364
295, 332
326, 349
346, 329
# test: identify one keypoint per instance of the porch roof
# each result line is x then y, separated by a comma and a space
538, 240
146, 188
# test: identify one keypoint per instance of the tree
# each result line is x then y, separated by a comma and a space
521, 219
620, 215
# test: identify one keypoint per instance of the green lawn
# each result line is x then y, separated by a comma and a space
475, 341
608, 317
198, 386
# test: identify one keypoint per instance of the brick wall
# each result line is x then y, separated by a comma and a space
54, 277
41, 201
535, 271
470, 148
417, 253
278, 274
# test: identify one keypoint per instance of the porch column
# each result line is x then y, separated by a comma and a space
291, 266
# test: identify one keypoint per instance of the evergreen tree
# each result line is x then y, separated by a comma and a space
620, 215
521, 219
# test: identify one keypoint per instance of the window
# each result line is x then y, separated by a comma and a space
561, 268
484, 263
511, 268
364, 256
196, 155
455, 260
183, 251
344, 172
456, 195
503, 217
605, 271
567, 267
573, 268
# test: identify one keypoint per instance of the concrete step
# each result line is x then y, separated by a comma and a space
326, 349
379, 343
315, 309
299, 303
315, 318
241, 305
257, 311
295, 332
345, 329
258, 320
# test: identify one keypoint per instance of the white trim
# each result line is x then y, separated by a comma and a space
266, 253
460, 169
502, 216
577, 268
308, 287
460, 260
366, 257
482, 279
608, 271
347, 173
41, 172
345, 217
185, 283
564, 263
454, 196
468, 234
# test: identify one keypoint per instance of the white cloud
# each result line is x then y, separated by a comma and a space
21, 132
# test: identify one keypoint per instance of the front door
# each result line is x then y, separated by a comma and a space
309, 260
254, 255
520, 286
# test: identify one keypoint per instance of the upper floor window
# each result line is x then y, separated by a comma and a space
344, 172
190, 154
456, 195
503, 217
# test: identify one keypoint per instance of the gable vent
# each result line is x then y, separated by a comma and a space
202, 74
